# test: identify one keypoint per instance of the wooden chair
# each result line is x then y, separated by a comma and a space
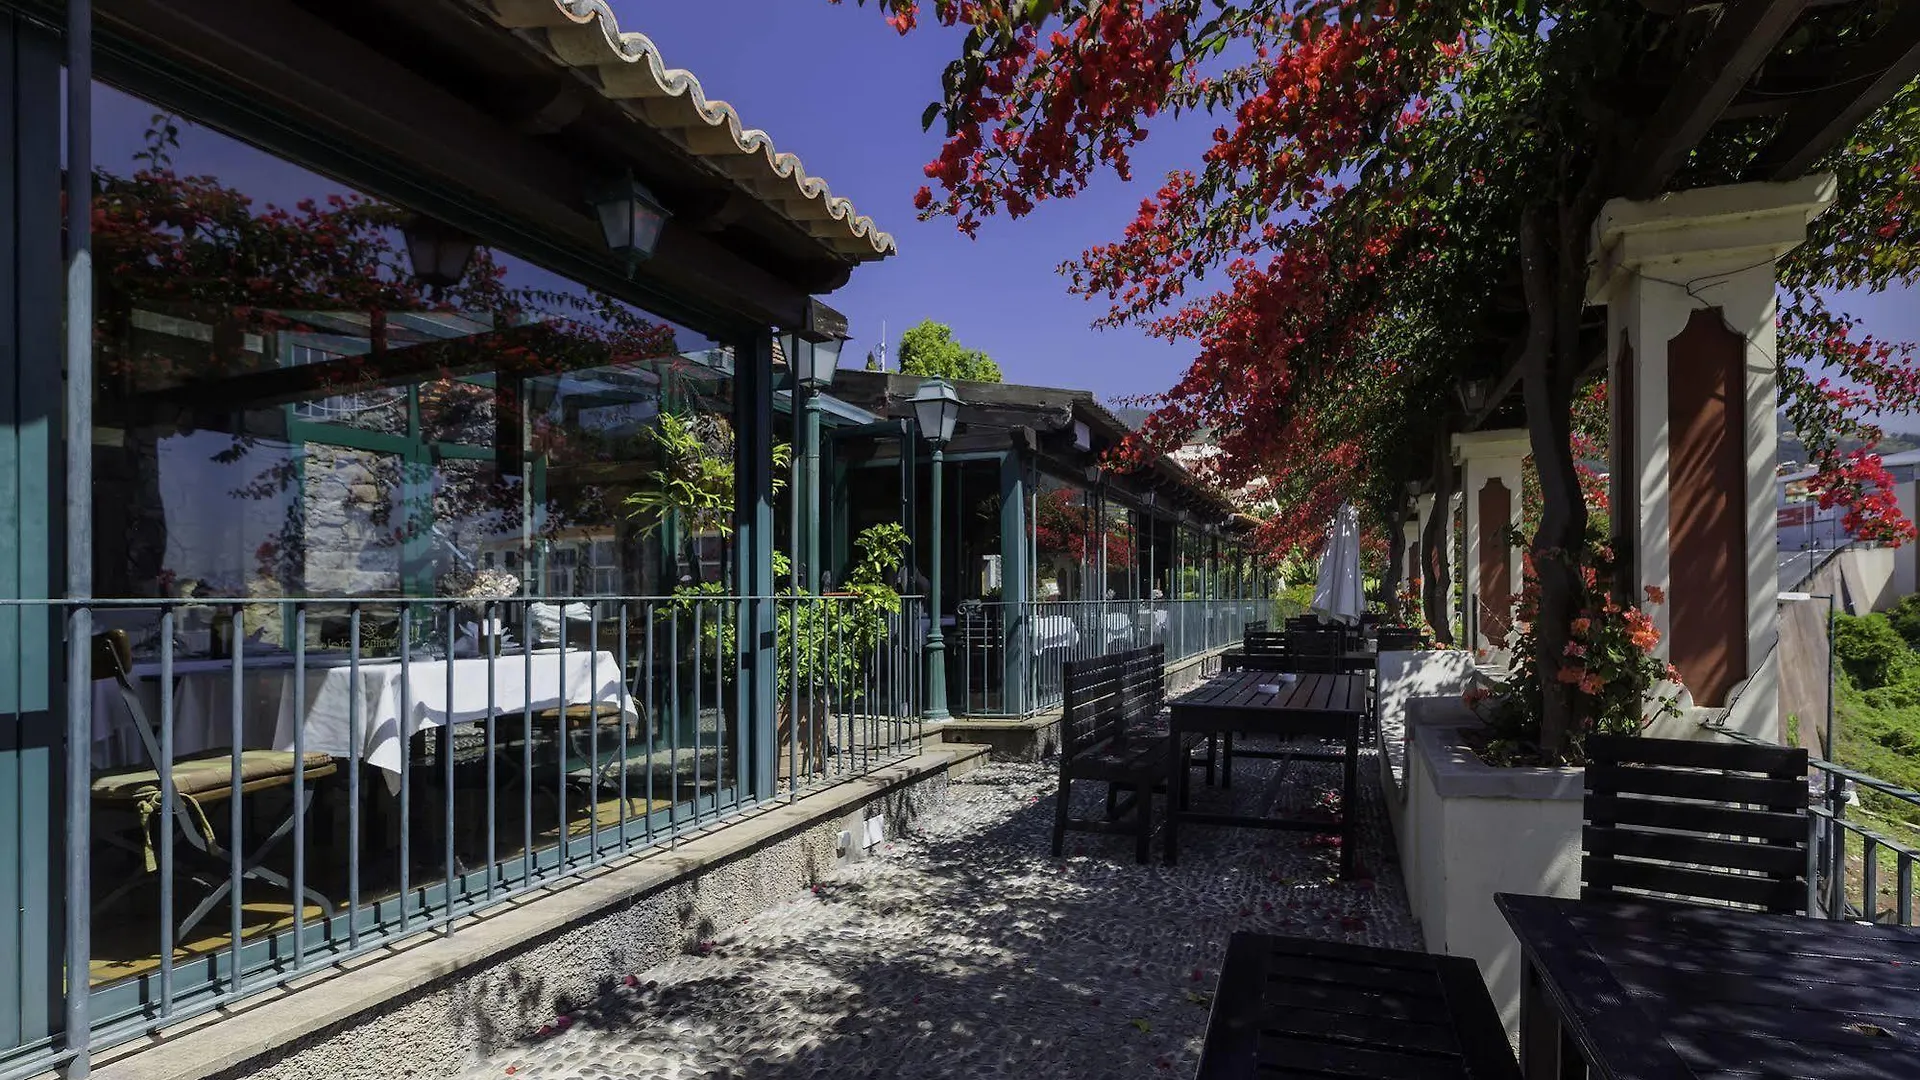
1315, 651
1398, 639
1260, 650
198, 782
1720, 823
1109, 732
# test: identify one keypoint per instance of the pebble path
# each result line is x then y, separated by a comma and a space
964, 950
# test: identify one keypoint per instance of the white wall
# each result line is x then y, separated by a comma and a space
1471, 831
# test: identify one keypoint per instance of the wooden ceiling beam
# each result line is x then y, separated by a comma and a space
1746, 32
1887, 61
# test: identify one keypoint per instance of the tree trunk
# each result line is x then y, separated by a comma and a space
1436, 542
1396, 552
1551, 368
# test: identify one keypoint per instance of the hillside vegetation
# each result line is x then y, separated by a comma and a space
1879, 703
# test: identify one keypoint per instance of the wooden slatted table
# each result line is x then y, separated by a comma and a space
1306, 706
1650, 990
1293, 1007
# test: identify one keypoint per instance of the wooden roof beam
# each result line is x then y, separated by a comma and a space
1879, 68
1747, 31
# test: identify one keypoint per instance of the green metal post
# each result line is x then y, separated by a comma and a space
936, 642
810, 516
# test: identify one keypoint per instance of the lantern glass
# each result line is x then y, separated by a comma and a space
439, 253
936, 408
826, 360
632, 220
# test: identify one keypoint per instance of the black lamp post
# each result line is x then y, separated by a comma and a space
936, 408
813, 355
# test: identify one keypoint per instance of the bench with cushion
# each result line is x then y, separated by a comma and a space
138, 796
1113, 731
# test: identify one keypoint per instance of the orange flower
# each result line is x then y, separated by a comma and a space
1592, 683
1656, 595
1572, 673
1580, 627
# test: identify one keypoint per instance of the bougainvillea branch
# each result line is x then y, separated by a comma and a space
1395, 198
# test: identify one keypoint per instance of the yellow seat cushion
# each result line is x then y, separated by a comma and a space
209, 775
581, 715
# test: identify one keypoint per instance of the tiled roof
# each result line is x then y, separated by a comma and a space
626, 67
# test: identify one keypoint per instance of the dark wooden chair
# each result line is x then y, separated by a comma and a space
1719, 823
138, 794
1260, 650
1316, 651
1398, 639
1113, 731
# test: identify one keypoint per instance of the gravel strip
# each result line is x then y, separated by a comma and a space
964, 950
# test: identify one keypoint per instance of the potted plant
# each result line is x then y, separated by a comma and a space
824, 645
1489, 807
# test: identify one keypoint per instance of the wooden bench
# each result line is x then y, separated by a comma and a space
1112, 730
1723, 823
1290, 1007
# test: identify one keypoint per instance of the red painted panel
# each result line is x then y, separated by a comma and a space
1706, 478
1496, 561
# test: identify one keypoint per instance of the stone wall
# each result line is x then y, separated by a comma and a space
433, 1004
351, 500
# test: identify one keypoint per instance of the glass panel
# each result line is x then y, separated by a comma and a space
284, 412
1063, 532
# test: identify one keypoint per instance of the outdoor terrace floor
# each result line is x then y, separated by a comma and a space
964, 950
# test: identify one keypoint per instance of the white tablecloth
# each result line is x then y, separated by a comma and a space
1054, 632
203, 702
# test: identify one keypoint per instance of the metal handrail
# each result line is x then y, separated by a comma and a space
1834, 891
666, 740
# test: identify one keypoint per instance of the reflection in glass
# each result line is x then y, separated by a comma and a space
284, 410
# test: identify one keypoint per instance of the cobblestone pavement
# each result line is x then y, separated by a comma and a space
964, 950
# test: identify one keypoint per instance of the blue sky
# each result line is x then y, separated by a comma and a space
838, 87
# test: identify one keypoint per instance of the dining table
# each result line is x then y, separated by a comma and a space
369, 710
1617, 988
1289, 706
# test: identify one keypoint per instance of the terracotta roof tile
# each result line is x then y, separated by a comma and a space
626, 67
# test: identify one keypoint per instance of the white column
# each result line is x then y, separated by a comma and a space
1688, 281
1489, 475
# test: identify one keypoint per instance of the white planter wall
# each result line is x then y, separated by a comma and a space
1470, 830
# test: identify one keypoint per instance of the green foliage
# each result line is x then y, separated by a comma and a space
821, 643
1878, 733
1298, 598
927, 349
695, 479
1870, 651
1905, 619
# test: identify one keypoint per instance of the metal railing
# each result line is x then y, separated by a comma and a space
281, 784
1009, 657
1855, 872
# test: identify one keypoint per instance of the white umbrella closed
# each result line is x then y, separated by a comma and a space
1337, 596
